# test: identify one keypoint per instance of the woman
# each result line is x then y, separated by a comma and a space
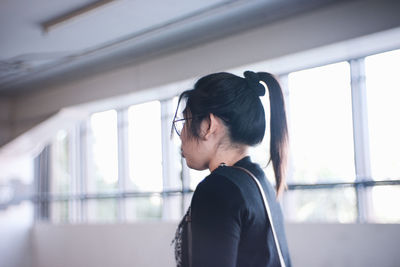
227, 224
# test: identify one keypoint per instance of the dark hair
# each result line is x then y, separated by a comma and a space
236, 101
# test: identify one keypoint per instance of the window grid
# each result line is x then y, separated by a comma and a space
78, 197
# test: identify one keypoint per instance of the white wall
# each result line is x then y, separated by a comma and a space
15, 236
349, 245
15, 250
148, 245
142, 245
332, 24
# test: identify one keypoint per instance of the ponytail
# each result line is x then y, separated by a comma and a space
279, 131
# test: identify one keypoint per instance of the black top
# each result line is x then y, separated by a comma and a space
230, 227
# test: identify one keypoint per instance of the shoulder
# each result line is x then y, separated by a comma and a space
217, 202
218, 189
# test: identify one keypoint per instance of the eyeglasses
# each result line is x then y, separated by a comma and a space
179, 124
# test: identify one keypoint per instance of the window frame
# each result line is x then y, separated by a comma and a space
78, 198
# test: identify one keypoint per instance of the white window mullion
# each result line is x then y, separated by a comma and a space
170, 175
123, 160
74, 160
361, 135
83, 174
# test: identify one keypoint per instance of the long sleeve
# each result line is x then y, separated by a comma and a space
217, 209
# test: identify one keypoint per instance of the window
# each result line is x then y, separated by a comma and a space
123, 165
102, 152
145, 155
144, 208
329, 192
61, 167
384, 207
102, 210
102, 166
145, 160
321, 135
383, 96
321, 142
60, 176
321, 205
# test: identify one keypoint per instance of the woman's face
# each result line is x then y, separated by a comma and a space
196, 151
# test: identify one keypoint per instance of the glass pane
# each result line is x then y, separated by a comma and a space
103, 152
59, 211
321, 130
102, 210
321, 205
145, 154
173, 207
385, 200
143, 208
60, 167
383, 95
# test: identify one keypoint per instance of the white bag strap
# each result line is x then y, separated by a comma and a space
266, 205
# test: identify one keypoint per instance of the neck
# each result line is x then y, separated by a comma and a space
228, 156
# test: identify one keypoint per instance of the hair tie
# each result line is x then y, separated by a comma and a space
254, 82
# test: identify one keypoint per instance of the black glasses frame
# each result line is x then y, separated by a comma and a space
175, 128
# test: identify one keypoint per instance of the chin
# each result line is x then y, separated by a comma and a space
194, 166
200, 169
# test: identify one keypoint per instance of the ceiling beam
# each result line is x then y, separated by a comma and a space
49, 24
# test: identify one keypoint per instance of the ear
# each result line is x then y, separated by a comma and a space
214, 126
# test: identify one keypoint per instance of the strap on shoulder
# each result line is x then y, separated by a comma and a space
268, 210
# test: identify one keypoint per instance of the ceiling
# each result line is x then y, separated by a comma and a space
115, 34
